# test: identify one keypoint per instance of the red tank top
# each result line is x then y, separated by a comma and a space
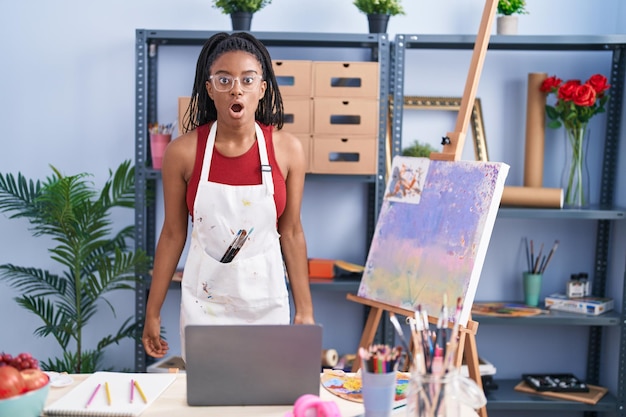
244, 169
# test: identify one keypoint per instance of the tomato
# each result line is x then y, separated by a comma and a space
34, 378
11, 382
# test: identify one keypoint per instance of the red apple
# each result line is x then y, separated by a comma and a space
11, 382
34, 378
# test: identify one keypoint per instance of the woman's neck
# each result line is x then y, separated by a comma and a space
234, 140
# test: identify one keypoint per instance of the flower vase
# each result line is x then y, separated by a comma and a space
575, 177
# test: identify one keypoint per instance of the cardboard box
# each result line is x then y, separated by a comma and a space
584, 305
346, 79
183, 103
297, 114
338, 116
293, 77
353, 154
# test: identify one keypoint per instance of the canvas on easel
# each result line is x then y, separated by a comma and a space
430, 243
432, 233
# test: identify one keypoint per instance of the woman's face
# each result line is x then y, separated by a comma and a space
236, 85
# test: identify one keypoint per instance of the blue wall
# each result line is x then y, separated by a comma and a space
67, 99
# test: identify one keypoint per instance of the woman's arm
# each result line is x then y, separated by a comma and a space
175, 174
290, 157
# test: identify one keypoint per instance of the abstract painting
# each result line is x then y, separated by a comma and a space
432, 234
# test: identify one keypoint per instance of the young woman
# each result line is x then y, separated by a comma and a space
241, 179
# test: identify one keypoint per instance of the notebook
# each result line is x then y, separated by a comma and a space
252, 364
93, 391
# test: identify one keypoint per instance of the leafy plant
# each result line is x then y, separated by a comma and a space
233, 6
390, 7
418, 149
97, 261
509, 7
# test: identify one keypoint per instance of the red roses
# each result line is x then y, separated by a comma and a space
576, 103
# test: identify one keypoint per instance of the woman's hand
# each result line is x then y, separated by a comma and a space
303, 319
154, 345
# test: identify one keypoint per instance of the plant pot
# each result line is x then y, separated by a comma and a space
506, 25
378, 22
241, 20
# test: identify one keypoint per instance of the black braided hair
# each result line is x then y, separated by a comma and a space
202, 109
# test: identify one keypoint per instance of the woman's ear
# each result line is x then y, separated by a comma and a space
209, 89
263, 89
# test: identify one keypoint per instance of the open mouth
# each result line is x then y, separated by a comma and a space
236, 108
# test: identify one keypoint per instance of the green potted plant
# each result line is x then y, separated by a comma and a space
240, 11
93, 259
417, 149
378, 12
506, 23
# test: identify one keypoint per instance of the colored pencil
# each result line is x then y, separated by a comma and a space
140, 391
108, 391
93, 395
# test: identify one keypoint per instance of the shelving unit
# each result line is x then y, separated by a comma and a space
148, 44
605, 214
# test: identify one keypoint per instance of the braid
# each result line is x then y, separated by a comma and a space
202, 109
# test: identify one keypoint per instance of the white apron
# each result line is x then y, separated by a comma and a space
251, 289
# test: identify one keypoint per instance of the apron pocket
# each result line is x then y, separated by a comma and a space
258, 281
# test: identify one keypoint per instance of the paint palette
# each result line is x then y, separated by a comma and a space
347, 385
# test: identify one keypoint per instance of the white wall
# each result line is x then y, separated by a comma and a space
67, 99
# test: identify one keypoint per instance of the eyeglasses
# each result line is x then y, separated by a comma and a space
224, 83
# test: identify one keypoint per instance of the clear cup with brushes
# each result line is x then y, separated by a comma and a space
436, 387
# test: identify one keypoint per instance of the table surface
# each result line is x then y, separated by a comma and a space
174, 400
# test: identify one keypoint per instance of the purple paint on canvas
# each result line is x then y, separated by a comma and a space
422, 251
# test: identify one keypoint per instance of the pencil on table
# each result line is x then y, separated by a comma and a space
140, 391
106, 388
132, 390
93, 395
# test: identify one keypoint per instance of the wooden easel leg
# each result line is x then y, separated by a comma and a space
369, 332
469, 350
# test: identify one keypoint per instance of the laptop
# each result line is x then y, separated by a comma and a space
252, 364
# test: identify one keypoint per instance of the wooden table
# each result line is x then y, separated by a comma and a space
173, 402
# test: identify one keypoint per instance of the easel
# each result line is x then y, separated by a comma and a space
452, 149
467, 337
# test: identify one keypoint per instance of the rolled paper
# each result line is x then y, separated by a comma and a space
329, 358
535, 130
532, 197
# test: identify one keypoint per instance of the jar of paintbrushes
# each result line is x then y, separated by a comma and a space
436, 387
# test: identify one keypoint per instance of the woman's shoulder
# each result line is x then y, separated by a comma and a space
182, 150
289, 152
285, 140
185, 140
